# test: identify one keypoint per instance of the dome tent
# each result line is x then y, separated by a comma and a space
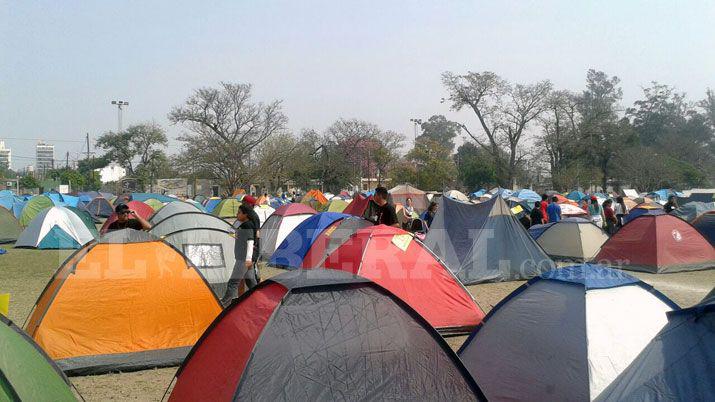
356, 341
227, 208
657, 244
677, 364
279, 224
34, 206
521, 350
10, 228
569, 238
26, 372
263, 211
189, 220
57, 228
400, 194
210, 251
331, 238
292, 250
705, 224
172, 208
148, 305
400, 263
484, 242
99, 206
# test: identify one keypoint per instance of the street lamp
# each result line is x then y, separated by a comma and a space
119, 112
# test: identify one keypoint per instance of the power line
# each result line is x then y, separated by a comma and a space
38, 139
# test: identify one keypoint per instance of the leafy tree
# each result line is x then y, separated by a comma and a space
28, 181
559, 138
504, 111
477, 169
224, 128
440, 130
136, 146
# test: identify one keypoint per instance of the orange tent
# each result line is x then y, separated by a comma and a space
238, 191
128, 302
562, 199
315, 199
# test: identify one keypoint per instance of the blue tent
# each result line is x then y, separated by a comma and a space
560, 336
502, 192
636, 212
6, 192
145, 196
528, 195
276, 202
291, 252
70, 200
676, 365
55, 197
211, 204
576, 195
478, 193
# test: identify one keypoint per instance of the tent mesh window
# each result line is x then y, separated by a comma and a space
205, 255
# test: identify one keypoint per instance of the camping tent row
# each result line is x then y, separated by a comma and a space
355, 341
390, 257
564, 335
149, 304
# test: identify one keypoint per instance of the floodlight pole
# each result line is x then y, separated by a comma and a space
119, 105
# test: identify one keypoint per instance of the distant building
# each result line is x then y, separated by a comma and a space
111, 172
5, 156
44, 157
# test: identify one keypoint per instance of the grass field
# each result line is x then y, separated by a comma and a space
24, 273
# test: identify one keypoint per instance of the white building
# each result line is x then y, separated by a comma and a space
111, 172
5, 156
45, 157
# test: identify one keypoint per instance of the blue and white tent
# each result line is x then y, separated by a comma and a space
292, 250
677, 364
564, 335
527, 195
56, 228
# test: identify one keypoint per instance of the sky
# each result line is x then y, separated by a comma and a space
61, 63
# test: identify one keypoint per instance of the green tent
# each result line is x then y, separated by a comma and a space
154, 204
227, 208
10, 228
337, 205
26, 372
33, 207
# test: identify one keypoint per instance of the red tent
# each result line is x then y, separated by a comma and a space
142, 209
294, 209
395, 260
658, 243
357, 206
331, 238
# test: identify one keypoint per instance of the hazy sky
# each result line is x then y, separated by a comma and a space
61, 62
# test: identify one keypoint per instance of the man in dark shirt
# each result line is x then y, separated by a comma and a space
128, 219
381, 212
253, 276
243, 251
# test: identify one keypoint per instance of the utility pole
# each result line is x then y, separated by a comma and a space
67, 160
119, 105
88, 152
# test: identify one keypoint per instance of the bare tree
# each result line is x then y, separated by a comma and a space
503, 110
559, 137
224, 128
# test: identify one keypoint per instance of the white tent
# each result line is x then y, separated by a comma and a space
56, 228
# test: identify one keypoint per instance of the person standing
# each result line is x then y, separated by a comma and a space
621, 211
671, 205
544, 205
379, 211
553, 211
536, 215
610, 217
594, 210
243, 252
253, 276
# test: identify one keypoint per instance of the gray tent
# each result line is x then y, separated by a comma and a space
678, 363
693, 209
170, 209
484, 242
189, 220
322, 335
210, 250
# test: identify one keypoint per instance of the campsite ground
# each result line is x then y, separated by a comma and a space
24, 273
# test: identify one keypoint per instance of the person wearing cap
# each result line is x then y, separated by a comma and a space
128, 219
253, 276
